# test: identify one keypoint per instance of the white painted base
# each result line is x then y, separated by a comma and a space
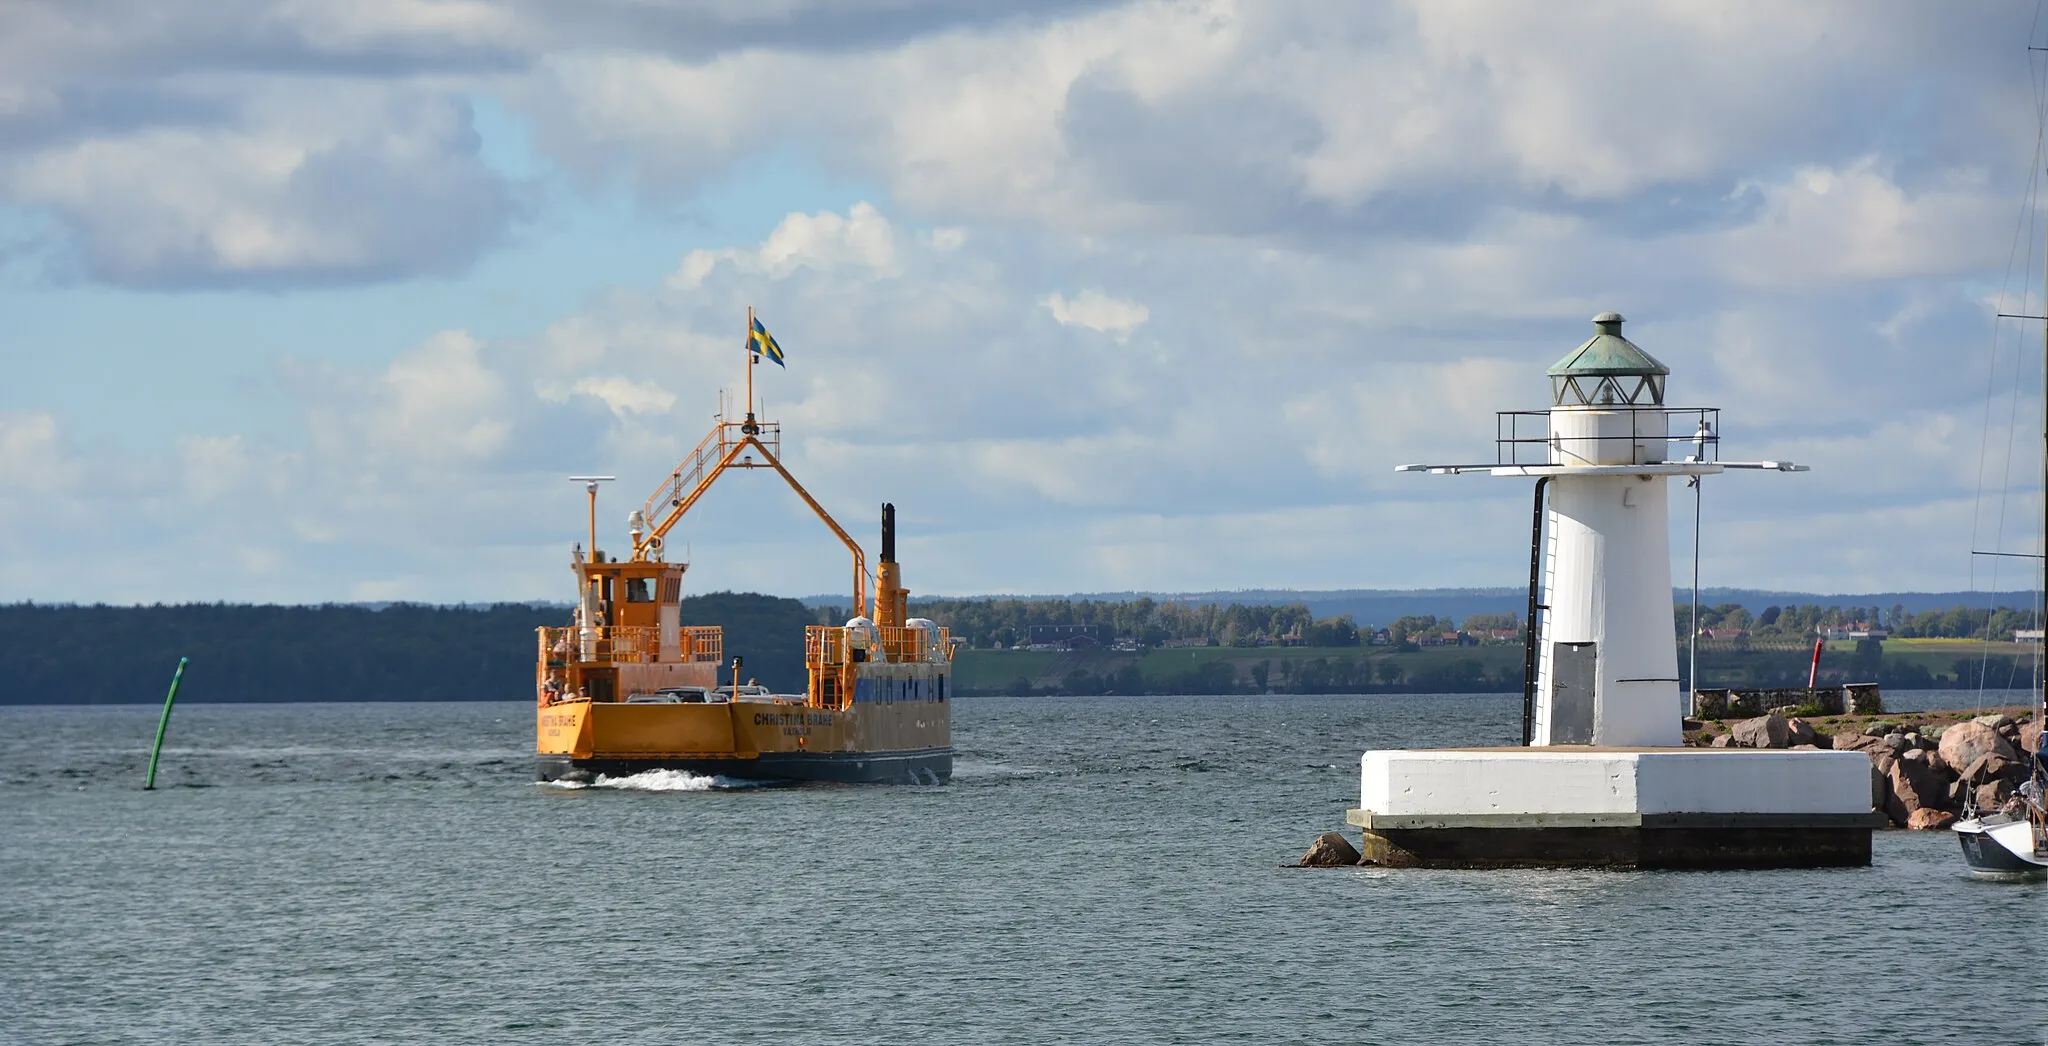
1596, 783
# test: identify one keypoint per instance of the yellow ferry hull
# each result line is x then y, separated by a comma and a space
751, 740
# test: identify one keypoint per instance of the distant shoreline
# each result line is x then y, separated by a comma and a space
243, 654
1994, 701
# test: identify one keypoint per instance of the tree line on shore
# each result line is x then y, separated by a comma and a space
68, 654
1804, 622
1004, 623
111, 654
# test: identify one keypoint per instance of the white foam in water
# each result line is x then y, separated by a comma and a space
660, 781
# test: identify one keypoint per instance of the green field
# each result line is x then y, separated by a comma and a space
1939, 657
982, 670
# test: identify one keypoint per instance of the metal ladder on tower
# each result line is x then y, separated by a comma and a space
1543, 595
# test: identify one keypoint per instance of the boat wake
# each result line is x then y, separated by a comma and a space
661, 781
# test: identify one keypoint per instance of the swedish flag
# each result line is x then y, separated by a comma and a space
763, 344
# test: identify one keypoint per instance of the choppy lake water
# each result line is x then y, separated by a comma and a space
1100, 870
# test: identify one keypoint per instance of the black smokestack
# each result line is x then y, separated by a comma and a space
888, 532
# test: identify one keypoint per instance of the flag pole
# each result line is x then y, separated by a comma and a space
750, 363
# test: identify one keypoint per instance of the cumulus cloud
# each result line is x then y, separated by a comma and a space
1856, 223
1098, 312
27, 444
440, 401
272, 197
622, 395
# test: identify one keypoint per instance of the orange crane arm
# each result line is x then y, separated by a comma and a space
682, 506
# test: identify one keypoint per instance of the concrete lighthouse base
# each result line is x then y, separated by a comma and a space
1574, 806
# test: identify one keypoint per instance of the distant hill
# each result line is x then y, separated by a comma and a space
1380, 605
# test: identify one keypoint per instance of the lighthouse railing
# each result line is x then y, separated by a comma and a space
1524, 437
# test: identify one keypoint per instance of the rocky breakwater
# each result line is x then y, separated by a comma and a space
1924, 770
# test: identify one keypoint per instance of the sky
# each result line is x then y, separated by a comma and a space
308, 302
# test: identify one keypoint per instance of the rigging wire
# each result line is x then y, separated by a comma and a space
2024, 231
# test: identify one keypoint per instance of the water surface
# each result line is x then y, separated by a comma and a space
1100, 870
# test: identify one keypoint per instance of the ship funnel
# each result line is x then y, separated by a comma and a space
892, 600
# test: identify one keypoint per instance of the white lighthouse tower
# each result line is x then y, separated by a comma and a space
1602, 779
1607, 672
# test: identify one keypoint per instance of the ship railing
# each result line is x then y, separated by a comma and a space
913, 644
550, 676
600, 644
831, 645
630, 644
824, 645
708, 453
703, 643
829, 668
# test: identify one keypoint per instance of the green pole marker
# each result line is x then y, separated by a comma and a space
165, 721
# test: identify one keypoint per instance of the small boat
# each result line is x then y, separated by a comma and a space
627, 687
2005, 845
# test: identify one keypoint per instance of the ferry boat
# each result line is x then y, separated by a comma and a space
629, 687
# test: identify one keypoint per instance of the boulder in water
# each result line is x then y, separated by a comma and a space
1915, 786
1330, 850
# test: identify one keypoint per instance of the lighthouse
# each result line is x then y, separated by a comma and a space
1601, 777
1609, 556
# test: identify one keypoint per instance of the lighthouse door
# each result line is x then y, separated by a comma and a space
1573, 666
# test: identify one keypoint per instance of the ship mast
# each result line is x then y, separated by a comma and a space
2041, 593
752, 358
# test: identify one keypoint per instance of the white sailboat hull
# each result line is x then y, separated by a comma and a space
1996, 845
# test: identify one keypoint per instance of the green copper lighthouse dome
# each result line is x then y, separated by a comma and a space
1608, 370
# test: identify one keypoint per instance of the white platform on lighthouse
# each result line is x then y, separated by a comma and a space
1570, 786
